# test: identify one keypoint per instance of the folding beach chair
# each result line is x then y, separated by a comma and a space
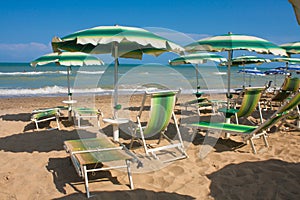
46, 115
161, 112
250, 101
249, 133
80, 113
99, 154
289, 86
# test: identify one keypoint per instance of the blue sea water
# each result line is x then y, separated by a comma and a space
20, 79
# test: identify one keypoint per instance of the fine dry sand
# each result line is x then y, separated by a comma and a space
34, 164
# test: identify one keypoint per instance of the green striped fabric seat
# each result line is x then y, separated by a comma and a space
162, 105
249, 103
95, 156
86, 110
291, 84
44, 114
226, 127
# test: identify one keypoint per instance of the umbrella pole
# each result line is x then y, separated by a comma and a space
286, 68
228, 74
68, 75
116, 80
197, 78
244, 76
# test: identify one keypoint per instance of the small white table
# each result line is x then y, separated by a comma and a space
115, 123
70, 103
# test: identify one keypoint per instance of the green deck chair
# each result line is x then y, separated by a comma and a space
289, 86
249, 133
250, 101
99, 154
161, 112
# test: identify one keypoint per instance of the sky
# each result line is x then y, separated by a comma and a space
27, 27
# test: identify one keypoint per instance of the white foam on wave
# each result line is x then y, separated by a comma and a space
60, 91
47, 91
31, 73
90, 72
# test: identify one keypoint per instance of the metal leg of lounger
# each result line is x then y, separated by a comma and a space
57, 121
260, 113
98, 120
78, 121
86, 181
265, 140
129, 174
252, 145
227, 121
36, 124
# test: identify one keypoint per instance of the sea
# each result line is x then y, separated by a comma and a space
22, 80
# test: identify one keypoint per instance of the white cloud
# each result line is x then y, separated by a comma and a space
22, 52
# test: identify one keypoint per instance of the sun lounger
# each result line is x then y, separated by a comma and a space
161, 112
289, 86
202, 103
249, 133
81, 113
45, 115
99, 154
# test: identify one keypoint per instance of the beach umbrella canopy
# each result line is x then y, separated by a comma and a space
291, 47
276, 72
197, 58
252, 72
246, 60
229, 42
290, 68
119, 41
67, 59
287, 60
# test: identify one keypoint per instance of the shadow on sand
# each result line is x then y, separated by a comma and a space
270, 179
24, 117
40, 141
59, 166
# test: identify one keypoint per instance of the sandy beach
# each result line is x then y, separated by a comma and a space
34, 164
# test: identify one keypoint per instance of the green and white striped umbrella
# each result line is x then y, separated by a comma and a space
67, 59
287, 60
119, 41
197, 58
230, 42
247, 60
291, 48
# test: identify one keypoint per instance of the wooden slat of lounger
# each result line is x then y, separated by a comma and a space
225, 127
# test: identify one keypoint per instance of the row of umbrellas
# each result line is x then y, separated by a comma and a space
132, 42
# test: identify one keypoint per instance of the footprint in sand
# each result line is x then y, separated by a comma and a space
176, 170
